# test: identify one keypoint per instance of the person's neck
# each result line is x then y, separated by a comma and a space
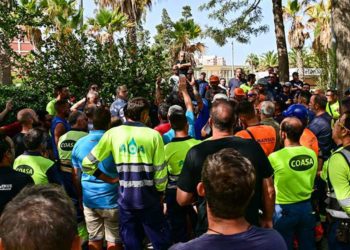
181, 134
218, 134
346, 141
38, 151
58, 98
62, 116
288, 143
225, 226
320, 112
332, 102
26, 128
252, 122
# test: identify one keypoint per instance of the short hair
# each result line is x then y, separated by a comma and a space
59, 104
39, 217
24, 115
41, 114
250, 77
229, 183
321, 101
135, 107
293, 127
89, 111
121, 87
223, 115
333, 91
203, 73
59, 89
295, 74
92, 94
345, 105
246, 108
33, 139
163, 110
347, 120
178, 120
306, 84
74, 116
4, 146
306, 95
101, 118
267, 108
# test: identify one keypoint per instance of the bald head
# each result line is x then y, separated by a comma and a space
223, 115
293, 128
27, 116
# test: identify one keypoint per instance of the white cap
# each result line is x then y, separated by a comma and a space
174, 108
220, 96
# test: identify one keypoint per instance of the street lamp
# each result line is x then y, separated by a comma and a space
233, 61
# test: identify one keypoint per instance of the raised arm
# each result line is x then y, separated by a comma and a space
186, 96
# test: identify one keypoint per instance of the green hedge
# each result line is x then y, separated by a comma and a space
22, 97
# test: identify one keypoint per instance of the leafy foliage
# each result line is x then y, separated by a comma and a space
22, 97
248, 16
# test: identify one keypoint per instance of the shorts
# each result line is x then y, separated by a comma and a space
102, 223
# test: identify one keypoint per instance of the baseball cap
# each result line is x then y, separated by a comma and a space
287, 84
262, 81
220, 96
296, 110
214, 78
239, 92
174, 108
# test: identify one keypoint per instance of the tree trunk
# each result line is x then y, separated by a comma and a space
341, 29
300, 63
5, 69
283, 64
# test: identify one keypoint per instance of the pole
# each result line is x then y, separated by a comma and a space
81, 7
233, 61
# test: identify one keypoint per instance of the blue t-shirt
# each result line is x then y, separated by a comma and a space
167, 137
202, 119
55, 121
96, 193
254, 238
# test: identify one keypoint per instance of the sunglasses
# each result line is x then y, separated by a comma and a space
251, 95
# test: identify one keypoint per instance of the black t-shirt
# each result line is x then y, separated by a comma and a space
183, 70
11, 183
19, 145
192, 169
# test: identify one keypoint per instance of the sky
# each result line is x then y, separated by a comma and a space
258, 45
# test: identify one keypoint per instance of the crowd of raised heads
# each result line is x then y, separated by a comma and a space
213, 164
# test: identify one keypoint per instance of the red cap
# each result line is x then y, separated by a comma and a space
214, 78
239, 92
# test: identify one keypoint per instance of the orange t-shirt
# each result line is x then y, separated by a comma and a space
309, 140
265, 135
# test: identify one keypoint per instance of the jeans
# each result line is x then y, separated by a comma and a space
135, 223
296, 220
333, 244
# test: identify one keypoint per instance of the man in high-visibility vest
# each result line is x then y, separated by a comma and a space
333, 105
138, 152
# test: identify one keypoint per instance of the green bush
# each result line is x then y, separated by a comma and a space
22, 97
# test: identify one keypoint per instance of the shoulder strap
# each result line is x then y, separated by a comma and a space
250, 133
330, 109
345, 152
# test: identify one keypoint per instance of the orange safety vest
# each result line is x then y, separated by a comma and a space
309, 140
263, 134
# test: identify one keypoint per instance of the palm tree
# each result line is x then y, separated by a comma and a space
134, 9
253, 61
296, 34
340, 23
106, 23
184, 31
320, 22
283, 64
269, 59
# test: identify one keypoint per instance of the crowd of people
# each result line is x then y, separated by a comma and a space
243, 164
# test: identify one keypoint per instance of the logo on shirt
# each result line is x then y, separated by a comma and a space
67, 145
131, 148
5, 187
25, 169
301, 162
